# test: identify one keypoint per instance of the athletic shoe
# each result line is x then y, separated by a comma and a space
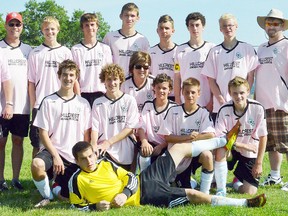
285, 187
232, 135
42, 203
3, 186
272, 181
16, 184
221, 193
230, 185
257, 201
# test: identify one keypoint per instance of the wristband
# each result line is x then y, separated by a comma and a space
10, 103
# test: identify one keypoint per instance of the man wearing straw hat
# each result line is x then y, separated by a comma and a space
272, 90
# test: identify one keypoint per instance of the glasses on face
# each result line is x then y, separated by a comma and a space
15, 24
275, 24
138, 67
228, 26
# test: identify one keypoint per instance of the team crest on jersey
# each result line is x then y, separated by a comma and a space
275, 50
136, 47
124, 108
197, 122
239, 55
149, 96
251, 122
156, 129
176, 67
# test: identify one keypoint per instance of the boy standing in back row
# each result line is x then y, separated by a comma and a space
125, 41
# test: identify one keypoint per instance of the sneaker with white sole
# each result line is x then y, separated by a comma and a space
272, 181
285, 187
221, 193
3, 186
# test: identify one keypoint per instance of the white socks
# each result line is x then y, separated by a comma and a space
224, 201
44, 188
144, 162
275, 174
221, 171
206, 180
207, 145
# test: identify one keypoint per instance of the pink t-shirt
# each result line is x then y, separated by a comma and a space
110, 117
270, 88
90, 62
223, 65
253, 123
43, 65
123, 47
191, 62
65, 121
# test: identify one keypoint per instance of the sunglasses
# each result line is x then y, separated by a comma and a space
15, 24
273, 24
138, 67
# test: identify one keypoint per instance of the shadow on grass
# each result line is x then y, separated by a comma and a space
25, 200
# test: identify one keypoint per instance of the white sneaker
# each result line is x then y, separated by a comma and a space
285, 187
272, 181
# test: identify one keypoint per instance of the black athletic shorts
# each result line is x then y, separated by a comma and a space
155, 184
34, 131
62, 180
91, 96
18, 125
243, 170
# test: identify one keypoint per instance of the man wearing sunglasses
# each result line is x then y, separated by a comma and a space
16, 53
272, 90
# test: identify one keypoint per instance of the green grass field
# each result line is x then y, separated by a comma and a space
17, 203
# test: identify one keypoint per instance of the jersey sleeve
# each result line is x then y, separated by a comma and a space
5, 75
209, 69
166, 127
207, 123
42, 117
133, 118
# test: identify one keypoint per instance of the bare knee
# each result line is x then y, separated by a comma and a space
220, 154
38, 169
206, 159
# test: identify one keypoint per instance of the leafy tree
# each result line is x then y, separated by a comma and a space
2, 28
70, 32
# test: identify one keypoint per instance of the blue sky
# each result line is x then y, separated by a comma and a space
246, 12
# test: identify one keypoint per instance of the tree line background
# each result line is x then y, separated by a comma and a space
70, 31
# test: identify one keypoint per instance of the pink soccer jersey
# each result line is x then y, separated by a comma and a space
191, 62
90, 62
18, 66
123, 47
151, 120
110, 118
65, 121
4, 73
140, 94
271, 74
178, 122
43, 65
253, 123
223, 65
162, 61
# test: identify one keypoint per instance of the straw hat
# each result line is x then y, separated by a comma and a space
274, 13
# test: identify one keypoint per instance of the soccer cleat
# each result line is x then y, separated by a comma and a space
257, 201
42, 203
232, 135
221, 193
285, 187
16, 184
272, 181
3, 186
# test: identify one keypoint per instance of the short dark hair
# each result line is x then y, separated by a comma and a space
89, 17
80, 147
195, 16
68, 64
160, 78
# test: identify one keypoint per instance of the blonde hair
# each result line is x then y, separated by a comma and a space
129, 7
227, 16
48, 20
112, 70
191, 82
166, 18
238, 81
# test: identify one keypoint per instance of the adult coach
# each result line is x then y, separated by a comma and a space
17, 54
103, 185
272, 90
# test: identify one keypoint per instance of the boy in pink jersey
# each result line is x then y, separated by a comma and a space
17, 54
225, 61
272, 90
114, 117
163, 53
91, 55
63, 118
190, 59
186, 123
150, 143
249, 147
43, 64
139, 83
125, 41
